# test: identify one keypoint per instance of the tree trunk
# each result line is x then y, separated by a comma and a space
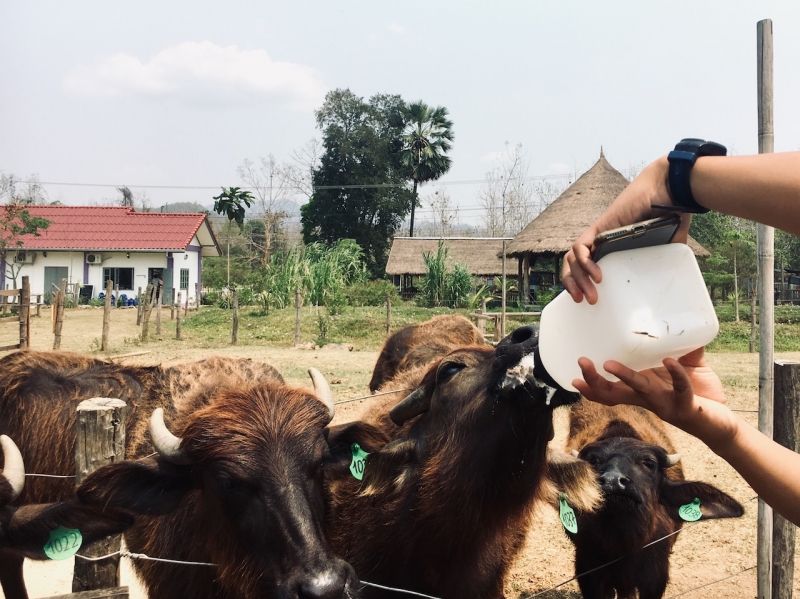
735, 287
413, 206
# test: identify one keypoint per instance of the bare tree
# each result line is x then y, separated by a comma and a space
127, 196
28, 192
507, 195
444, 215
299, 172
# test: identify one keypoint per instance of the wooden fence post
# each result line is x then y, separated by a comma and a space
178, 318
786, 432
146, 312
172, 306
482, 321
62, 298
139, 307
235, 331
100, 427
297, 304
388, 313
25, 314
159, 304
106, 316
186, 309
197, 301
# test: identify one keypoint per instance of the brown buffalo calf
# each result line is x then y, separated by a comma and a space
448, 487
419, 344
643, 489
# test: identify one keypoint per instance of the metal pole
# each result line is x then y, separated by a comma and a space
766, 276
503, 296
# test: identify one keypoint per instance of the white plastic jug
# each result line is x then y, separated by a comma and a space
652, 304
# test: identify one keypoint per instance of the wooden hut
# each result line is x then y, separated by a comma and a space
550, 235
483, 256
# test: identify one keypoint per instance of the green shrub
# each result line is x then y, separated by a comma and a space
371, 293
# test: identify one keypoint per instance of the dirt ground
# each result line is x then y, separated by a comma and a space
704, 553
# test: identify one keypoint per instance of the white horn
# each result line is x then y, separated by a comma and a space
14, 468
672, 459
167, 445
575, 453
322, 389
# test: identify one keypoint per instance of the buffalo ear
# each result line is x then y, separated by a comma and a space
713, 502
146, 487
569, 474
414, 404
28, 529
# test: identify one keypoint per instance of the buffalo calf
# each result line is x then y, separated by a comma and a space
643, 488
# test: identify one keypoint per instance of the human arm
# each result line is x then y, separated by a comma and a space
763, 187
772, 470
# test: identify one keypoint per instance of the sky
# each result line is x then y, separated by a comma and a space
180, 93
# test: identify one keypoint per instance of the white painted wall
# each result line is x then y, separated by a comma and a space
139, 261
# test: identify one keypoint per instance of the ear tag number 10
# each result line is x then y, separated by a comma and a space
63, 543
359, 461
691, 511
567, 514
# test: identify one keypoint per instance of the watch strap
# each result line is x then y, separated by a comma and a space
681, 162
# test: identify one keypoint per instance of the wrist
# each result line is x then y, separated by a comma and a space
682, 161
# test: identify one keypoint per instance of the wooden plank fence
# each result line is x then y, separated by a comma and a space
22, 299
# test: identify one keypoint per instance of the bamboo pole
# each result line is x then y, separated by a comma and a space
106, 316
503, 297
766, 275
388, 313
159, 303
297, 304
62, 298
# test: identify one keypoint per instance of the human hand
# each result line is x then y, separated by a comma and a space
669, 393
634, 204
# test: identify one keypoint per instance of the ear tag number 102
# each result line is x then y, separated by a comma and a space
359, 461
63, 543
567, 514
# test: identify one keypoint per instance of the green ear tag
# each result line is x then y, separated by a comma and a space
691, 511
566, 514
63, 543
359, 461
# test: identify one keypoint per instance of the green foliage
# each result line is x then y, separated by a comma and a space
442, 286
362, 143
16, 222
230, 203
372, 293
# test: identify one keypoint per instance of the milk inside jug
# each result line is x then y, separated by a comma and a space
652, 304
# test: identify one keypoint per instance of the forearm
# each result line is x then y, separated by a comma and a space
763, 188
771, 469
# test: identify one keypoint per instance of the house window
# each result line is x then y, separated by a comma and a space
121, 278
184, 278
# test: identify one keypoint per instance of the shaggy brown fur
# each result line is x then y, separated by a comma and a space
446, 499
419, 344
628, 448
253, 494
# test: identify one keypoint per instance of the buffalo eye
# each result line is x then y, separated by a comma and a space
448, 370
592, 459
650, 464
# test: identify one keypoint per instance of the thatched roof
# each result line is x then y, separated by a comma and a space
582, 203
481, 255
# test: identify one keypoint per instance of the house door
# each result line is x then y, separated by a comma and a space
167, 276
53, 276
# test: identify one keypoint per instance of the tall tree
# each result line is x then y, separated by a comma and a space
232, 202
360, 183
426, 140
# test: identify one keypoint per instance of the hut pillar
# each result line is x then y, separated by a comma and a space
525, 291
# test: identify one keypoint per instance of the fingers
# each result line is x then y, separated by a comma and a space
597, 388
580, 273
694, 358
680, 380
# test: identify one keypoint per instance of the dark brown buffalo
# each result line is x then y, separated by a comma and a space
255, 446
643, 486
24, 531
419, 344
446, 497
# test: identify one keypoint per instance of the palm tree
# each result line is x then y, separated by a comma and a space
426, 142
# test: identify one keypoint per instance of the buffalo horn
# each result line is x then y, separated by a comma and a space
167, 445
322, 389
14, 468
672, 459
414, 404
575, 453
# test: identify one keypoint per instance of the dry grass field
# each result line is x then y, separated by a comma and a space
704, 553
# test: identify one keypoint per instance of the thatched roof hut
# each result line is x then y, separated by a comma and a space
481, 255
551, 234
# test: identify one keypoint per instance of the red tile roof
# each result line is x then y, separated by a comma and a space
113, 228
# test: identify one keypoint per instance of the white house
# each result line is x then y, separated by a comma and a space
88, 245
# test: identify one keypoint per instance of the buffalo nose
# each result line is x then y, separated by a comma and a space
528, 334
326, 585
614, 481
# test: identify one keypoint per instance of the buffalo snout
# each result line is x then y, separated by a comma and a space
333, 582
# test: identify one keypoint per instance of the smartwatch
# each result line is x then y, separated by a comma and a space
681, 161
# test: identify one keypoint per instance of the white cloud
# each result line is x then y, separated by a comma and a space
492, 157
397, 28
199, 72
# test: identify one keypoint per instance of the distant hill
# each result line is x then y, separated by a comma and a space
191, 207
